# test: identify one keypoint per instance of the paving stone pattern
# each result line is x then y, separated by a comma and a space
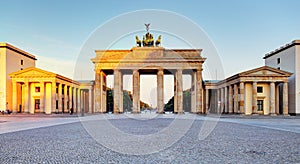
228, 143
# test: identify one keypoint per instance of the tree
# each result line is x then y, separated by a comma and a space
169, 107
127, 101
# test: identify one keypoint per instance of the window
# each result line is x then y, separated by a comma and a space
260, 90
278, 68
22, 62
260, 105
278, 60
37, 89
21, 68
37, 104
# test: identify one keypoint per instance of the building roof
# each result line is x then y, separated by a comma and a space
264, 71
282, 48
36, 72
15, 49
256, 73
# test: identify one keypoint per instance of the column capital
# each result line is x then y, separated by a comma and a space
98, 71
179, 70
160, 71
199, 69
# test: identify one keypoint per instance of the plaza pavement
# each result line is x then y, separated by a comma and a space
17, 122
233, 139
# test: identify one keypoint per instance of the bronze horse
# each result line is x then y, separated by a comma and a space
138, 41
157, 43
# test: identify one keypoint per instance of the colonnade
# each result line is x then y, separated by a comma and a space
242, 97
56, 96
100, 92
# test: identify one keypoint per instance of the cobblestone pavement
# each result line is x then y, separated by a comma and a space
65, 140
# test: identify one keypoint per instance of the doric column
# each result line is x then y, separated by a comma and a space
121, 92
71, 104
242, 95
102, 90
53, 96
79, 100
26, 96
193, 92
90, 101
74, 100
31, 105
230, 100
23, 96
48, 98
272, 98
206, 100
285, 99
59, 97
198, 91
160, 91
226, 99
117, 91
175, 93
222, 101
14, 97
42, 96
254, 97
98, 91
136, 91
65, 109
236, 97
277, 99
82, 102
218, 101
179, 92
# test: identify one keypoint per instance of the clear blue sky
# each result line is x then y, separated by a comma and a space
241, 30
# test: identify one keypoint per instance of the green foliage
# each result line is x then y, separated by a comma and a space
127, 101
169, 107
109, 100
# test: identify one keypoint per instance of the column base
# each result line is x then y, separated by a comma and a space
135, 112
117, 112
273, 114
197, 113
161, 112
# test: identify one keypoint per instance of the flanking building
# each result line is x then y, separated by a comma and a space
27, 89
11, 59
254, 91
287, 58
39, 91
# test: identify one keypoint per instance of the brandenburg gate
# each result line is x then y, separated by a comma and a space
148, 57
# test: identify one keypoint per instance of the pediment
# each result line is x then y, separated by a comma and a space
265, 71
32, 72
